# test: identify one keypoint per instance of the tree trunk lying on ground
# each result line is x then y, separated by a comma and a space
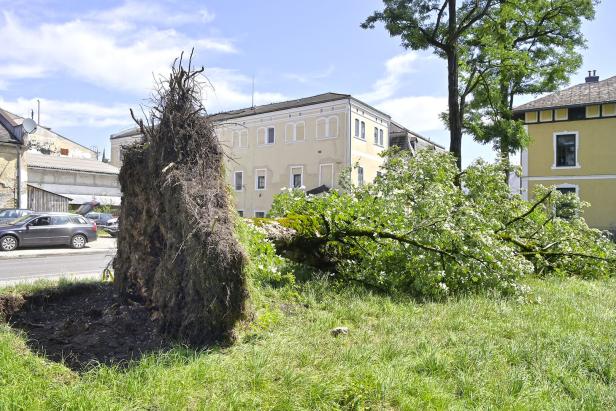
176, 248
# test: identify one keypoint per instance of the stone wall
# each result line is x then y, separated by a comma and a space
8, 175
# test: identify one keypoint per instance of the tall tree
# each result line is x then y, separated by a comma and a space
525, 47
444, 26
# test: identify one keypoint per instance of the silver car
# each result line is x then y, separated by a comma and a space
40, 229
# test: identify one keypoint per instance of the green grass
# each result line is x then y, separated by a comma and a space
555, 350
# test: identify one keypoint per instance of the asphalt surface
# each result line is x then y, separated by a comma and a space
27, 269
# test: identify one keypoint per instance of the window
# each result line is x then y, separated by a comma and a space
64, 151
363, 131
565, 207
239, 180
297, 177
295, 132
356, 127
260, 214
260, 179
326, 175
360, 176
332, 127
60, 220
240, 139
327, 127
376, 135
271, 137
566, 150
321, 128
266, 136
240, 213
381, 139
577, 113
41, 221
567, 190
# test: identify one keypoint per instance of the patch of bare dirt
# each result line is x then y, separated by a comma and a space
83, 325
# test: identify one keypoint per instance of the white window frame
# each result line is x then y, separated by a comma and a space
356, 133
257, 179
291, 176
362, 131
239, 133
293, 138
577, 149
568, 185
267, 129
321, 166
235, 173
329, 134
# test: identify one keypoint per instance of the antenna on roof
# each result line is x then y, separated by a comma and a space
252, 101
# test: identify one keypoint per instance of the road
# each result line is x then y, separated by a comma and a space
27, 269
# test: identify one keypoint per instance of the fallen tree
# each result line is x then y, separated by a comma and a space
414, 230
177, 250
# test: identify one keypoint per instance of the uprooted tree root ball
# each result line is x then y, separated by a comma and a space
177, 251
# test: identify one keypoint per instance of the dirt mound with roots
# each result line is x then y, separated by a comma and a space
177, 251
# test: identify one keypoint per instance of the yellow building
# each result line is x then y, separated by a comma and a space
304, 143
573, 146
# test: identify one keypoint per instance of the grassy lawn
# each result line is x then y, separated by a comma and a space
555, 350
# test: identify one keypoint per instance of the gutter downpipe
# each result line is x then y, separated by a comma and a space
18, 176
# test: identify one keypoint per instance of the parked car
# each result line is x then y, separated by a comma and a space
41, 229
112, 227
9, 214
99, 218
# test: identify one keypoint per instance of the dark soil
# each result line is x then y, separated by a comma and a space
85, 324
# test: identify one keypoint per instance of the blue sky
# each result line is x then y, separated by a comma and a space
88, 62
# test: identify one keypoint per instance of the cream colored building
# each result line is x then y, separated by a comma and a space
573, 146
304, 143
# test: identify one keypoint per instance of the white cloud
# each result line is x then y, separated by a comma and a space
59, 114
396, 68
110, 49
420, 113
310, 77
135, 12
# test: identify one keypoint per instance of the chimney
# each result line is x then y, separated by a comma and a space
592, 78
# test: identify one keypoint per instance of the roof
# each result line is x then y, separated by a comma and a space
599, 92
265, 108
8, 132
18, 120
398, 134
35, 160
47, 191
284, 105
129, 132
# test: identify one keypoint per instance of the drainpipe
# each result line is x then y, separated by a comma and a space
18, 176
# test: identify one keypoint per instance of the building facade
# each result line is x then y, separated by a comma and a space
52, 169
573, 146
305, 143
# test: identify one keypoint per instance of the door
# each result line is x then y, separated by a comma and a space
60, 229
36, 232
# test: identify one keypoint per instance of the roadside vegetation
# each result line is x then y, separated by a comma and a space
552, 348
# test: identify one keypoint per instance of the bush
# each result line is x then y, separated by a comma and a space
414, 230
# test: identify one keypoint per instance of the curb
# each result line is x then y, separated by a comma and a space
8, 256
